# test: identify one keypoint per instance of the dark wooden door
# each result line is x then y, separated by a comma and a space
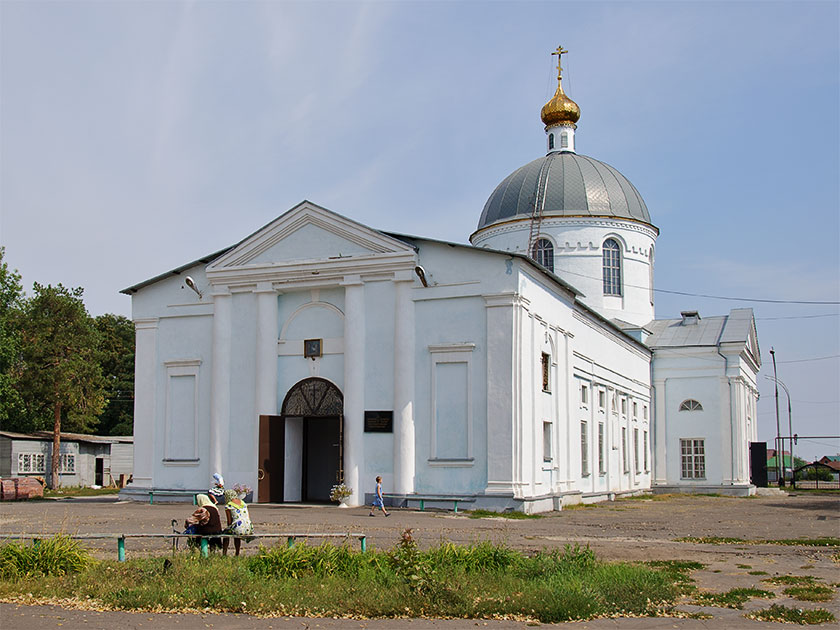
271, 459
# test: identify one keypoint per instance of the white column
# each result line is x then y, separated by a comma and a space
220, 380
145, 373
659, 437
266, 353
354, 386
404, 440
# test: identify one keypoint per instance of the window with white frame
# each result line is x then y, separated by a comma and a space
644, 412
546, 441
636, 450
690, 405
623, 406
584, 394
601, 466
693, 458
584, 449
624, 458
544, 253
67, 464
612, 267
602, 399
31, 463
545, 362
635, 411
645, 449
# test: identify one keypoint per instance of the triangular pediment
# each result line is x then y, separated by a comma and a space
308, 233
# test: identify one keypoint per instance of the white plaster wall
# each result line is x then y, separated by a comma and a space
578, 259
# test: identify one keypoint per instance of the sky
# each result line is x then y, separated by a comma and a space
138, 136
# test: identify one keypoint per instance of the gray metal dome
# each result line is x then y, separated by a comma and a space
565, 184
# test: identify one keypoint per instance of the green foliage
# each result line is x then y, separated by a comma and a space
791, 579
734, 598
814, 473
58, 555
12, 407
785, 614
116, 361
826, 541
810, 593
512, 515
475, 581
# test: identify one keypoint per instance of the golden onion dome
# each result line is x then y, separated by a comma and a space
560, 110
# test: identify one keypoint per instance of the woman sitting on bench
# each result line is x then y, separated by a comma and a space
239, 521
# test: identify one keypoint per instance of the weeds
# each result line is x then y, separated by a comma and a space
828, 541
795, 580
734, 598
786, 614
58, 555
511, 515
475, 581
810, 593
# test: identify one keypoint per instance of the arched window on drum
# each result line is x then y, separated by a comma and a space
544, 253
612, 267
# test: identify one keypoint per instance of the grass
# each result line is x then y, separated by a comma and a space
795, 580
512, 515
827, 541
58, 555
678, 572
77, 491
757, 573
744, 566
810, 593
734, 598
786, 614
481, 580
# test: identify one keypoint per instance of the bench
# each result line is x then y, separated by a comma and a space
432, 498
204, 542
175, 492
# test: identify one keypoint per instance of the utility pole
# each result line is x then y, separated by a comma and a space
779, 456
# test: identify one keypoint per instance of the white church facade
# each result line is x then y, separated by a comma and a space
524, 371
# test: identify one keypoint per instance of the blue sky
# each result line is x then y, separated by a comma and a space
137, 136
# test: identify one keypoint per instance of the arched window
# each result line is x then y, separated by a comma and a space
544, 253
550, 141
690, 405
564, 141
612, 267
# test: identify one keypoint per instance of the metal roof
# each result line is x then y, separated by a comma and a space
706, 331
565, 184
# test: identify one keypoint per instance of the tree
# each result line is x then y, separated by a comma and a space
60, 372
12, 409
116, 360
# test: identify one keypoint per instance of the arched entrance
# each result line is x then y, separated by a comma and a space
301, 451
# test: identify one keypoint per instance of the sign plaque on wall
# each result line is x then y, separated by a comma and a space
379, 421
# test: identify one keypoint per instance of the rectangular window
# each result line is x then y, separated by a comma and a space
546, 372
644, 412
623, 406
584, 450
584, 394
624, 449
601, 468
636, 459
693, 455
602, 399
564, 141
31, 463
635, 410
645, 449
546, 441
67, 464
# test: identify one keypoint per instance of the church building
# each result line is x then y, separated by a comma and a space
524, 371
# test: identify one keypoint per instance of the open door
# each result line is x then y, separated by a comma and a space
271, 459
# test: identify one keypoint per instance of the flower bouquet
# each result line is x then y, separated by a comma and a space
340, 492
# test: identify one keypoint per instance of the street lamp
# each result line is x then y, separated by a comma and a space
778, 427
790, 417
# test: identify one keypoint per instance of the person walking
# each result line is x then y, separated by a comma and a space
377, 500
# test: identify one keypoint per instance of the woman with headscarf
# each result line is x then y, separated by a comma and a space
239, 520
212, 525
217, 491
